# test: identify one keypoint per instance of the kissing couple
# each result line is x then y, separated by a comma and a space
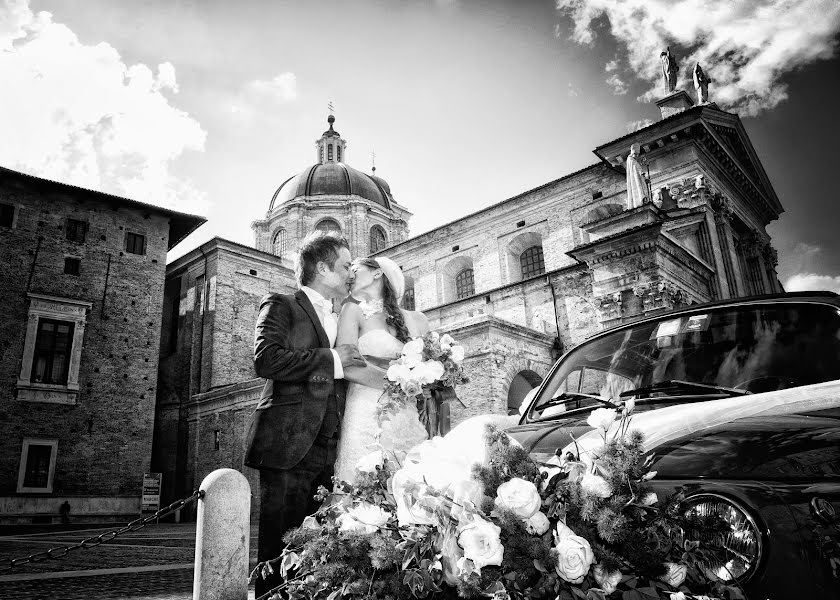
317, 414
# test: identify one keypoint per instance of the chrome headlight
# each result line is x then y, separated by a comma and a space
742, 542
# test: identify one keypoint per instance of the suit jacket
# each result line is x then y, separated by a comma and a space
292, 352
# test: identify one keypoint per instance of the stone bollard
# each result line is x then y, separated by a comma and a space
221, 537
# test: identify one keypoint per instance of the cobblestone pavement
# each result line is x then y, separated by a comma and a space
154, 563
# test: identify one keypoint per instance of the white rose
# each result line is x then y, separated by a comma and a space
537, 524
602, 418
428, 371
607, 581
412, 352
481, 543
677, 596
675, 575
520, 496
596, 485
574, 555
398, 372
364, 518
457, 354
447, 340
369, 462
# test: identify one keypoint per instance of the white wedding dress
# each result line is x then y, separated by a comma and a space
400, 432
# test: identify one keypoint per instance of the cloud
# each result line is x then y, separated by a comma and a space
813, 282
262, 96
745, 47
618, 85
636, 125
80, 115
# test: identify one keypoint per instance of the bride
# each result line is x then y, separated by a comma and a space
380, 329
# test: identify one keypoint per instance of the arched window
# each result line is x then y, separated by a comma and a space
328, 225
464, 284
531, 262
338, 153
378, 241
329, 152
279, 243
321, 155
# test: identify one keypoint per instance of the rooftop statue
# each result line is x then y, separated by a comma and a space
701, 84
670, 69
637, 189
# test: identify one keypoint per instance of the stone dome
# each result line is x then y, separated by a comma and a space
333, 179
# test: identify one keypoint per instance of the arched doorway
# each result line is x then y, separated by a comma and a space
522, 383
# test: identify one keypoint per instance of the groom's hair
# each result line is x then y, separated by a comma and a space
317, 247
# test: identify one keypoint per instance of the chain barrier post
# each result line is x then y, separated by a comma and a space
221, 537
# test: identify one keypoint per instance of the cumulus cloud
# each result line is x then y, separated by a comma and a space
637, 125
813, 282
80, 115
260, 96
745, 47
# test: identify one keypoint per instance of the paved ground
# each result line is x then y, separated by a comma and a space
154, 563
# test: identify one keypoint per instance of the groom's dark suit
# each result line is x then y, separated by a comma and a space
292, 435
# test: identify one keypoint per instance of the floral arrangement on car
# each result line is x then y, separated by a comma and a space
472, 515
427, 373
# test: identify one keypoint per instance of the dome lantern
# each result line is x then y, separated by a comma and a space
330, 148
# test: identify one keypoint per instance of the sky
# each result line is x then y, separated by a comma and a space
207, 106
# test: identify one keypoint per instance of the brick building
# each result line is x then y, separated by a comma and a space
81, 286
517, 282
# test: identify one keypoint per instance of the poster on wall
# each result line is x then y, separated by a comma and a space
151, 492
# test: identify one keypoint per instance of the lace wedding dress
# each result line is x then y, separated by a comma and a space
400, 432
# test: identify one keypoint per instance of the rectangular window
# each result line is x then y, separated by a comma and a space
135, 243
464, 284
71, 266
37, 465
7, 215
408, 299
216, 439
51, 359
76, 230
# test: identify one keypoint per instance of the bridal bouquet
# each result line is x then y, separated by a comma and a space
472, 515
427, 373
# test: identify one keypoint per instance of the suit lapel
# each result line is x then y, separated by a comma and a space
306, 305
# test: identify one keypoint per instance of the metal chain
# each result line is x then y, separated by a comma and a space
91, 542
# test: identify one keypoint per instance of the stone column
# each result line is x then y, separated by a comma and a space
723, 218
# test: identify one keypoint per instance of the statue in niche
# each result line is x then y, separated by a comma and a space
701, 84
637, 188
669, 70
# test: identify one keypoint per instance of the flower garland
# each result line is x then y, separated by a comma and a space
472, 515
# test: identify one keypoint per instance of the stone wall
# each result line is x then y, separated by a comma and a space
104, 430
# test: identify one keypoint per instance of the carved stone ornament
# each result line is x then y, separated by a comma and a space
660, 294
722, 208
610, 306
771, 255
750, 243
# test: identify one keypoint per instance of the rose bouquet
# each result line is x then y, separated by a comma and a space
472, 515
426, 373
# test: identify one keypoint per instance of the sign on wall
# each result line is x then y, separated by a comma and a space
151, 491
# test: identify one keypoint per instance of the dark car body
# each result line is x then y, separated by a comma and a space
782, 472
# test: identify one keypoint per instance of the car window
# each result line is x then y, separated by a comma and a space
752, 347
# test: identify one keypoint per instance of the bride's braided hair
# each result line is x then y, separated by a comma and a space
393, 315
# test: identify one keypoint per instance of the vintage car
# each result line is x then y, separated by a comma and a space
775, 479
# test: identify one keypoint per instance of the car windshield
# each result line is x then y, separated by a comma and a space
727, 351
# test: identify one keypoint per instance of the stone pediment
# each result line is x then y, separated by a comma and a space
720, 134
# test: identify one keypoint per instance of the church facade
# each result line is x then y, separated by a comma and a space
518, 282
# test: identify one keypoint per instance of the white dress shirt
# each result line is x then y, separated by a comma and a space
329, 321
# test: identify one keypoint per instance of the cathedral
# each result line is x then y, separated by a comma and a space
672, 214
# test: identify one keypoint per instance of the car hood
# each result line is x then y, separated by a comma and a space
789, 447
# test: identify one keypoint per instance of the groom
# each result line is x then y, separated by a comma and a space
292, 435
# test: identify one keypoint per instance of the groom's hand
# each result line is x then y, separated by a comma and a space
349, 356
